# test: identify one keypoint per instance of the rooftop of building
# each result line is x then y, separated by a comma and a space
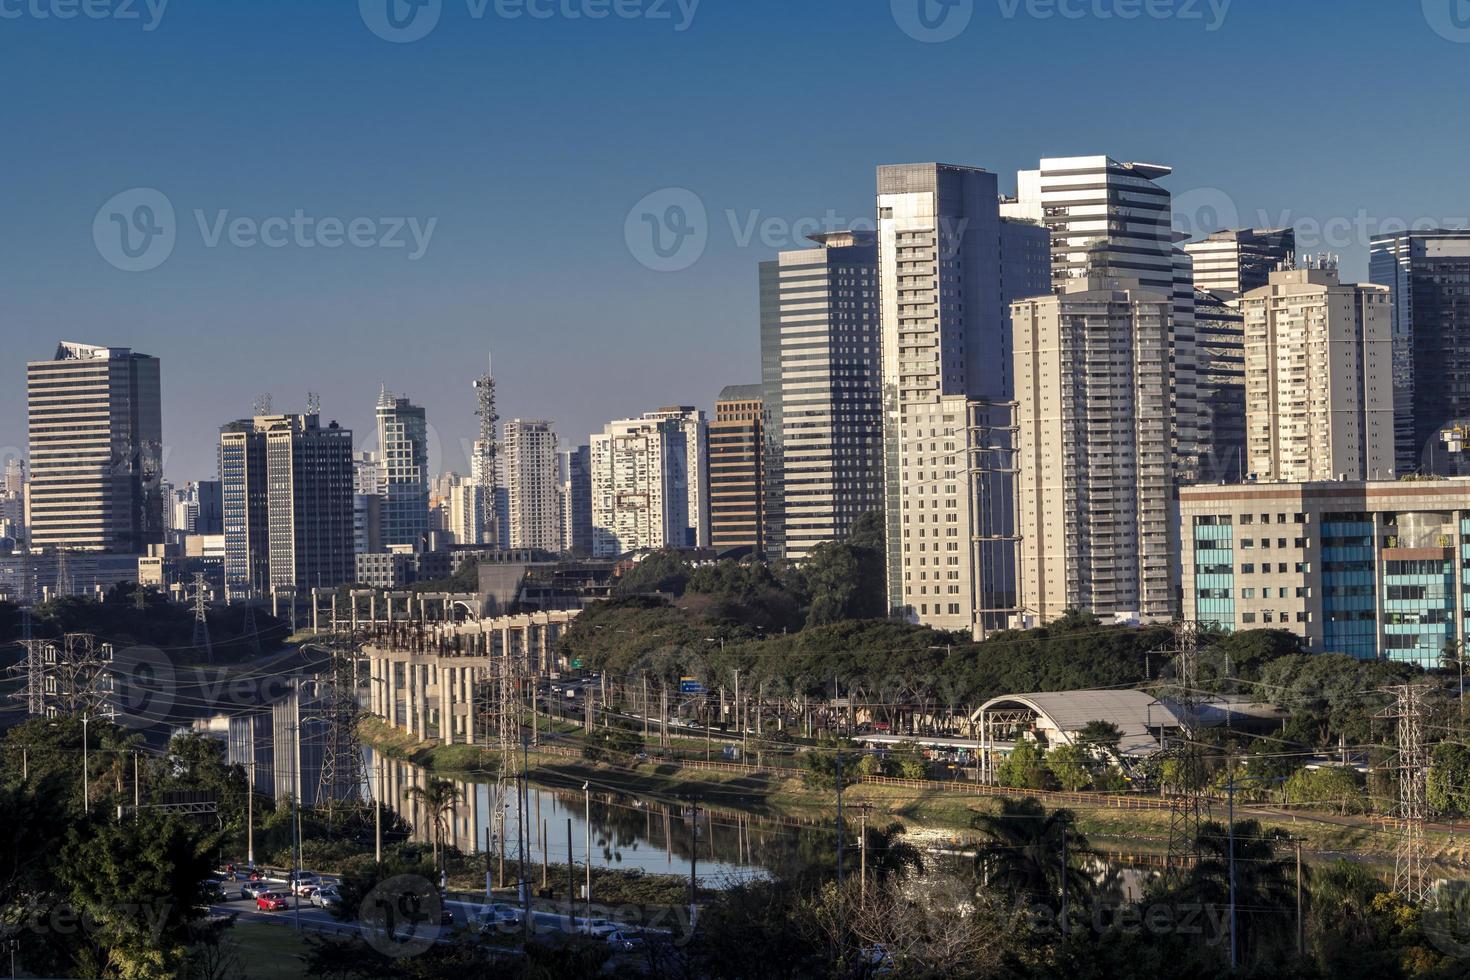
741, 393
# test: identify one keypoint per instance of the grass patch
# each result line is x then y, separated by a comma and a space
269, 950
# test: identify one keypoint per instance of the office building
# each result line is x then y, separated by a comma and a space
736, 490
1318, 381
1235, 261
696, 468
1114, 220
403, 454
640, 476
196, 509
1427, 274
533, 515
289, 511
821, 392
96, 450
948, 267
1219, 333
1095, 486
575, 500
1363, 568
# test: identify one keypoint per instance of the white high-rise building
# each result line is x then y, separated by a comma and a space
1318, 379
1095, 484
96, 450
696, 467
529, 451
947, 268
641, 494
822, 393
1114, 220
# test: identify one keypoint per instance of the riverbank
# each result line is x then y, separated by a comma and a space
933, 812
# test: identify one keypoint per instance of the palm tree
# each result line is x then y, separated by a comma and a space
1265, 887
1022, 851
439, 798
890, 856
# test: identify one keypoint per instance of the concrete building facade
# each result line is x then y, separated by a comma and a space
96, 450
529, 452
737, 516
1372, 569
1318, 379
403, 456
822, 394
640, 475
1095, 484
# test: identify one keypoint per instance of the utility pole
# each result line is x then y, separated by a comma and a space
86, 769
249, 813
863, 861
378, 809
587, 824
296, 799
571, 875
1230, 826
1066, 930
521, 808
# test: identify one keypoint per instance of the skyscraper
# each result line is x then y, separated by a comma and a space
1426, 274
736, 491
1114, 220
531, 483
575, 499
1219, 331
640, 483
822, 395
288, 503
1318, 379
1238, 260
948, 266
1095, 481
96, 450
696, 468
403, 452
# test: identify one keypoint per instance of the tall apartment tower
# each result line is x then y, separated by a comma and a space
736, 479
1114, 220
529, 450
403, 453
1235, 261
822, 392
288, 504
947, 268
1095, 483
96, 450
1318, 379
640, 476
574, 467
1426, 274
696, 467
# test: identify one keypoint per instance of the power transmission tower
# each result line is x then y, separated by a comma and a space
70, 677
252, 630
63, 574
1188, 807
263, 404
343, 776
1410, 880
201, 619
33, 667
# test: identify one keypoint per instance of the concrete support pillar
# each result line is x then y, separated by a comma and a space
446, 705
469, 700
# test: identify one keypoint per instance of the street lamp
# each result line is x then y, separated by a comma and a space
86, 770
587, 825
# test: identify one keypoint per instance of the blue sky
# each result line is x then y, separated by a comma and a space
522, 144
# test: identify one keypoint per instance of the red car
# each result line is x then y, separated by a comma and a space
271, 902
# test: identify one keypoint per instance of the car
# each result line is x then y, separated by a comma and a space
213, 889
326, 897
272, 902
306, 891
625, 941
254, 889
301, 882
596, 928
497, 916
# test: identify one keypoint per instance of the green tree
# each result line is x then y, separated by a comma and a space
1025, 767
1449, 778
439, 798
1021, 851
1265, 890
846, 578
1330, 785
662, 571
1070, 766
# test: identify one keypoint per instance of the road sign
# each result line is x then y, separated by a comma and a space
688, 685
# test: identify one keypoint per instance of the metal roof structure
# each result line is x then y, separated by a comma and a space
1136, 713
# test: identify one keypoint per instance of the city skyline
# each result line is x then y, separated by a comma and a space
482, 283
